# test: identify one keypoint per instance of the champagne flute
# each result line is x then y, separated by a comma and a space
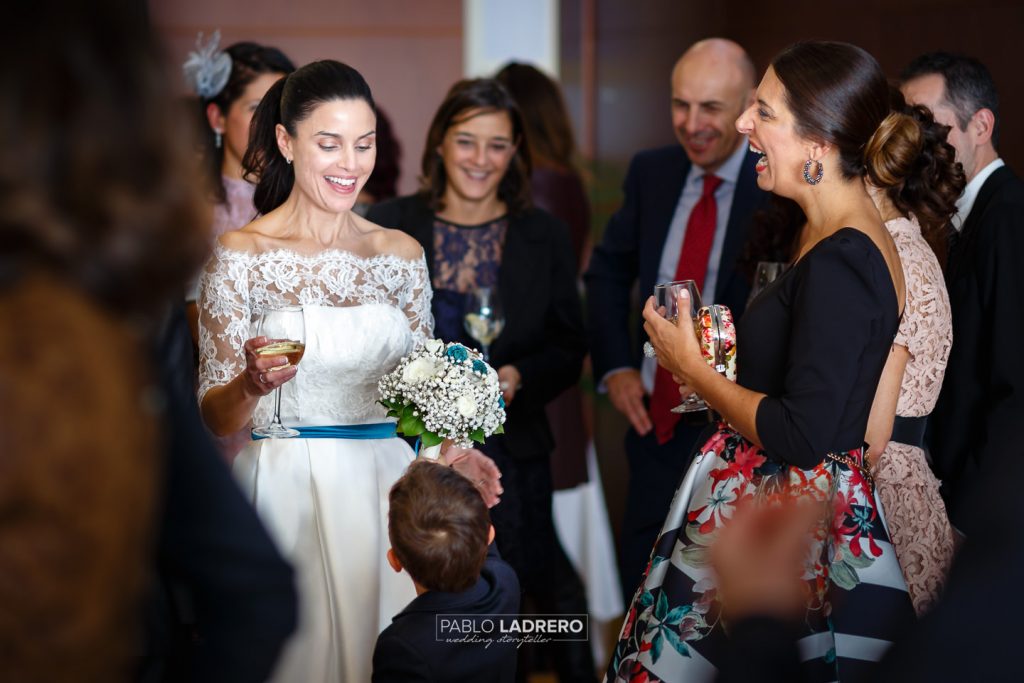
666, 295
764, 275
285, 329
484, 319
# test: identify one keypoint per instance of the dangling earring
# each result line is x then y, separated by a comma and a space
817, 176
217, 139
289, 161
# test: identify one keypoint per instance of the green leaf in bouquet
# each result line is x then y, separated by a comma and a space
477, 435
410, 425
431, 439
500, 429
394, 407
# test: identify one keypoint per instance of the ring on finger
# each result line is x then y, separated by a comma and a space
263, 378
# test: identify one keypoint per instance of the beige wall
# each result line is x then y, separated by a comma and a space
410, 51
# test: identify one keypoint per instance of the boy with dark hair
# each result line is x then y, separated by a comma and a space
441, 535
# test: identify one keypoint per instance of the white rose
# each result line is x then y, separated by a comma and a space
419, 370
466, 405
434, 346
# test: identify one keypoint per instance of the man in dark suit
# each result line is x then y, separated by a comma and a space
441, 534
686, 215
982, 398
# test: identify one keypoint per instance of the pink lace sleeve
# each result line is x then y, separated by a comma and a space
926, 329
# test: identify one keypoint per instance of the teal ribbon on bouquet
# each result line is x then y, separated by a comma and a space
376, 430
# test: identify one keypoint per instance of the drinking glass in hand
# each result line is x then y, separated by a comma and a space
484, 319
764, 275
666, 296
285, 329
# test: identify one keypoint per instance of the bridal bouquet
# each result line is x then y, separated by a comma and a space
440, 392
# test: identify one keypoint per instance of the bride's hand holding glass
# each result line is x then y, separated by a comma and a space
675, 343
265, 373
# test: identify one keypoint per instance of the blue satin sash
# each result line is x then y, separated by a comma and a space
376, 430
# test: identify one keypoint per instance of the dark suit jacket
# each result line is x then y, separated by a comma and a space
632, 244
982, 398
225, 601
543, 335
409, 649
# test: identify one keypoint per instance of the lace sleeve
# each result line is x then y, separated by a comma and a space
224, 319
416, 303
927, 328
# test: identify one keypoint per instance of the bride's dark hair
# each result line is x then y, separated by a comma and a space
288, 102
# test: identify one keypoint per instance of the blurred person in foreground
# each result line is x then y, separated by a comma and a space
102, 228
98, 230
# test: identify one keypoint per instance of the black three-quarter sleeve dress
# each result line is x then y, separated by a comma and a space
815, 342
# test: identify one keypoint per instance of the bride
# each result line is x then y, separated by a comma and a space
366, 301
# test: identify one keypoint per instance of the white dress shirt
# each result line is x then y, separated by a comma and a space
966, 201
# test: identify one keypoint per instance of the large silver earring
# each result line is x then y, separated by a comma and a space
817, 176
218, 139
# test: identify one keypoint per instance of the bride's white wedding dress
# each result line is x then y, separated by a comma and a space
324, 500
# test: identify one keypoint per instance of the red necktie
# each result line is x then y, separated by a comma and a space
693, 265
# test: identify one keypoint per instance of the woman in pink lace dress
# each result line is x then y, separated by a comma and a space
910, 384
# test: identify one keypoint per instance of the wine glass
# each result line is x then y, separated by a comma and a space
764, 275
484, 319
666, 295
285, 329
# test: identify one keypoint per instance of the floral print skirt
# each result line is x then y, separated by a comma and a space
857, 602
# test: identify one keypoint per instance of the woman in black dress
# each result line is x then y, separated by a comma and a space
474, 220
811, 350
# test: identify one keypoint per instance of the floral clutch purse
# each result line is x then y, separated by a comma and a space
716, 334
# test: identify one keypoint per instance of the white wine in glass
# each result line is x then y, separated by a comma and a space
285, 327
666, 296
484, 319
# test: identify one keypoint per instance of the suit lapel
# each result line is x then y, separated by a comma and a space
666, 187
744, 199
963, 243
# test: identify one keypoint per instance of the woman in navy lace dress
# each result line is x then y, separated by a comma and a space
474, 220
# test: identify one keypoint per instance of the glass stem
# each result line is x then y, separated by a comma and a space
277, 407
486, 350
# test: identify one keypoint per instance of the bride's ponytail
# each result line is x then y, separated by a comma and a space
263, 161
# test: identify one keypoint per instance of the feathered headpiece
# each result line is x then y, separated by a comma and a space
207, 69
